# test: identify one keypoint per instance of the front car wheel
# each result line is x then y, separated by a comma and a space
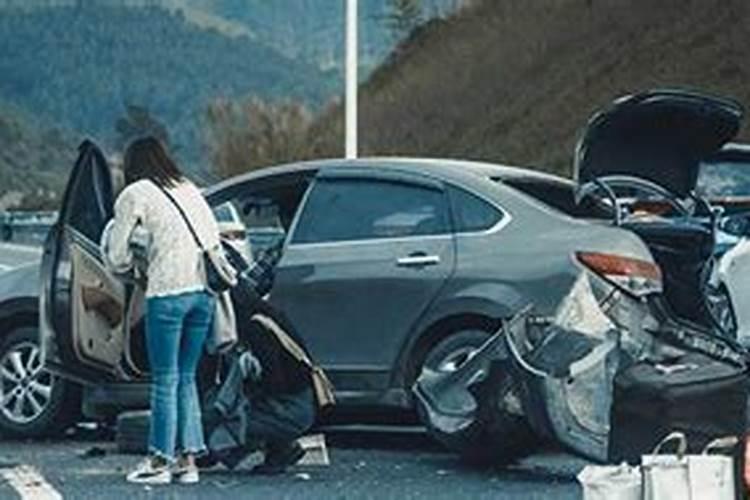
33, 402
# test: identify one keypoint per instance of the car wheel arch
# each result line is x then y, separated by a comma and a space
18, 312
22, 315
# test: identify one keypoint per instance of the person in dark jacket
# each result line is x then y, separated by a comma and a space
277, 404
279, 389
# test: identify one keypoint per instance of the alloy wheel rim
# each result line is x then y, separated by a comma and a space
25, 387
454, 359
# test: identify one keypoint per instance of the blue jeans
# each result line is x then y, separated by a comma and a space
176, 330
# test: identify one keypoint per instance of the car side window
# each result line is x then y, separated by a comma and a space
364, 209
255, 217
472, 213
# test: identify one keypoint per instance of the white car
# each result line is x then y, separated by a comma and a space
725, 179
731, 302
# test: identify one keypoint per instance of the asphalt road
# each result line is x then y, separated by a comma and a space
13, 255
362, 465
370, 463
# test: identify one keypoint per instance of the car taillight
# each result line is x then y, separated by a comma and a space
635, 276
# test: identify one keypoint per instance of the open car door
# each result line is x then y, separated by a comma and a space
82, 306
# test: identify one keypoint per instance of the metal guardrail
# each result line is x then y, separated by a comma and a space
26, 227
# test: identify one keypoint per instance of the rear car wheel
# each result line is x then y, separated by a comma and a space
33, 402
453, 351
499, 432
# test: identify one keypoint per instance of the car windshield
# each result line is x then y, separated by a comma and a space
724, 179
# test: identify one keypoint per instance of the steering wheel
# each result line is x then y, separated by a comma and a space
610, 183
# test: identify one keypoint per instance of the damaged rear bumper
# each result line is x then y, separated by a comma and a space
556, 373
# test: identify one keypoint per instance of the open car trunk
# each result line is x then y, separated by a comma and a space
647, 150
660, 136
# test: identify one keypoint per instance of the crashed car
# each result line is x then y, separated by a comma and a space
389, 267
637, 167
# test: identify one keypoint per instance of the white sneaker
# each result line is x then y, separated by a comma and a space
151, 471
186, 474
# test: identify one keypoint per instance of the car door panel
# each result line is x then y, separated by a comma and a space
97, 304
82, 307
356, 301
135, 361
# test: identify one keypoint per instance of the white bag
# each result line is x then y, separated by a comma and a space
689, 477
712, 476
610, 482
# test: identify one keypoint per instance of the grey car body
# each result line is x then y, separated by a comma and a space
373, 309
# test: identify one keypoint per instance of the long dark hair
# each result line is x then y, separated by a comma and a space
147, 158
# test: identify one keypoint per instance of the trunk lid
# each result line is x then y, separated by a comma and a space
660, 135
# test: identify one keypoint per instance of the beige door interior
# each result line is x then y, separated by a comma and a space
136, 308
98, 312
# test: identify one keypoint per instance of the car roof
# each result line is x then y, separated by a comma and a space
462, 171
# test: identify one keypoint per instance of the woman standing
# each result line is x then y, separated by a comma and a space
179, 309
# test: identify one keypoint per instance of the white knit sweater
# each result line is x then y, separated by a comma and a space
175, 264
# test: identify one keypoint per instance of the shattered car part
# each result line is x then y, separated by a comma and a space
476, 410
567, 371
562, 370
562, 388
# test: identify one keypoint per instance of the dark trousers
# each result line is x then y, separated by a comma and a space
278, 420
258, 423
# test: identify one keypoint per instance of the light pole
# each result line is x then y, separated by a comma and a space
351, 78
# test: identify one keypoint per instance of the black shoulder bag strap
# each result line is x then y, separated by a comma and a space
184, 217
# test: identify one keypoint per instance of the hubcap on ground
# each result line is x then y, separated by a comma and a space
25, 388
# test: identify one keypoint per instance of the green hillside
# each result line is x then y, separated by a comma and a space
34, 161
78, 66
514, 81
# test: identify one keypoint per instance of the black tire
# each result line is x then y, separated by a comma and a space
132, 432
59, 400
453, 350
500, 432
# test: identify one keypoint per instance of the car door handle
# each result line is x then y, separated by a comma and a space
419, 260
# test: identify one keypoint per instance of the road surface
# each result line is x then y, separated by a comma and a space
13, 255
363, 465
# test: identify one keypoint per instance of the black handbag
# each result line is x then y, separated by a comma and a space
220, 274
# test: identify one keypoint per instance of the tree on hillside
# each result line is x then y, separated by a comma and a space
138, 122
249, 134
403, 16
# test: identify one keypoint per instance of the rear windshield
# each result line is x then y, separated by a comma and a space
560, 197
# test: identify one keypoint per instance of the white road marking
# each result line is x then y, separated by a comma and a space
3, 267
29, 484
16, 247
